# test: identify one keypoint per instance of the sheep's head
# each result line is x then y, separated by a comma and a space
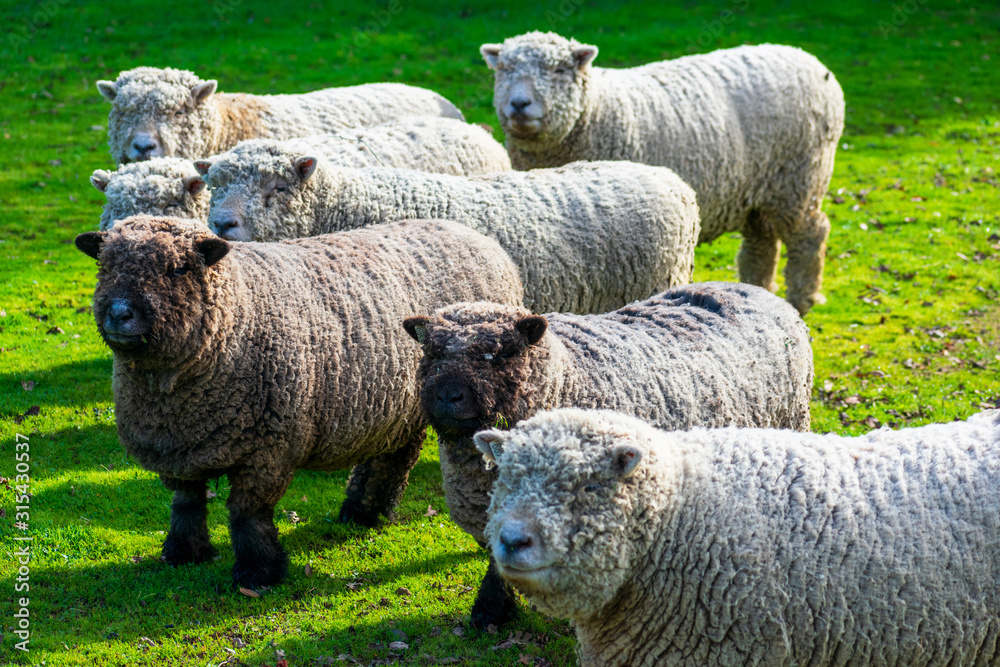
261, 191
539, 86
160, 187
157, 286
480, 366
158, 112
566, 496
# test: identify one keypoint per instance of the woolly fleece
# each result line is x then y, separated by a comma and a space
426, 143
162, 186
709, 354
182, 115
754, 547
276, 357
752, 129
588, 237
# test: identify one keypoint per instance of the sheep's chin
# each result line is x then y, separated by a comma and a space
541, 579
524, 129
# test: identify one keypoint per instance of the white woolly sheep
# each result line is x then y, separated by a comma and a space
160, 186
752, 129
170, 112
588, 237
709, 354
753, 547
254, 360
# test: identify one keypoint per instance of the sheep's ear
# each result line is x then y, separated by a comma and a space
305, 166
490, 52
89, 243
417, 328
212, 249
108, 90
202, 91
490, 444
532, 328
100, 179
583, 55
194, 184
626, 459
202, 166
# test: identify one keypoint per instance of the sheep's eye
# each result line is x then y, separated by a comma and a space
562, 70
589, 486
180, 112
508, 352
179, 271
280, 188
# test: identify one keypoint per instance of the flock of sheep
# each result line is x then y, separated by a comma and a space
636, 459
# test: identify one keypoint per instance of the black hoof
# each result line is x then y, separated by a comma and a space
352, 512
194, 549
257, 575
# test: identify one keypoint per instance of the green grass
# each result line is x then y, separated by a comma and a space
909, 336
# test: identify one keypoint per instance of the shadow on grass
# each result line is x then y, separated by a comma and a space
66, 385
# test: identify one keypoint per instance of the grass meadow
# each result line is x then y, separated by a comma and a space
910, 335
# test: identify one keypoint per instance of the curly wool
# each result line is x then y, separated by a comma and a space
754, 547
161, 186
753, 130
709, 354
588, 237
425, 143
160, 103
279, 357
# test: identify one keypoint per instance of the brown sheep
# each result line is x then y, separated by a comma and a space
254, 360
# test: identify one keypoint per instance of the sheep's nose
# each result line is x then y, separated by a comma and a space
144, 145
118, 315
520, 104
225, 224
515, 537
449, 400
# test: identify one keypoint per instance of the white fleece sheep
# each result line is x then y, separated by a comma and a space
425, 143
162, 186
587, 237
709, 354
163, 112
752, 129
754, 547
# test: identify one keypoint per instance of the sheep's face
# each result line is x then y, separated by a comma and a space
260, 192
560, 516
167, 187
539, 86
155, 287
479, 366
157, 113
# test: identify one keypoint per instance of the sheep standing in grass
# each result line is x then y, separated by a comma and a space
588, 237
165, 186
753, 547
709, 354
257, 360
170, 112
753, 130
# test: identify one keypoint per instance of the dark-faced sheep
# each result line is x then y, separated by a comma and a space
709, 354
255, 360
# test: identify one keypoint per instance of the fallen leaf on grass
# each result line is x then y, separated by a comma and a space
403, 591
249, 593
308, 570
33, 411
55, 330
27, 385
430, 511
398, 646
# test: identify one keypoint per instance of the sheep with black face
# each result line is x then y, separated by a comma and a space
257, 360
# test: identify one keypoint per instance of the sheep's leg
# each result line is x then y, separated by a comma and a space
759, 252
375, 486
187, 541
260, 558
496, 602
804, 271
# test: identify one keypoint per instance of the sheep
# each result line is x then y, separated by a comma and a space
588, 237
753, 547
171, 112
256, 360
752, 129
160, 186
709, 354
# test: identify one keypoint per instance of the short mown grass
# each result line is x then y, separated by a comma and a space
909, 336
